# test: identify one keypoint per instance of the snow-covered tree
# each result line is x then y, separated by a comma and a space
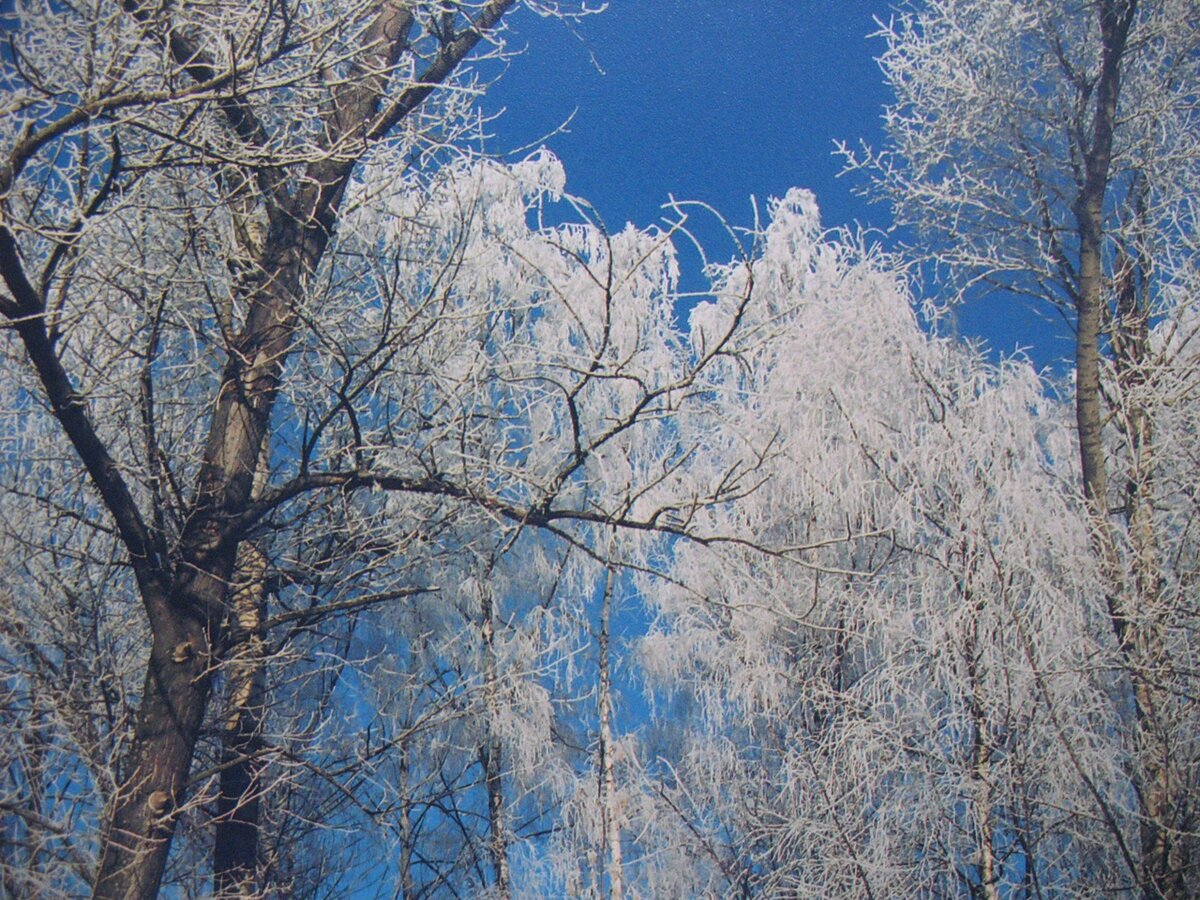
1051, 150
369, 519
211, 250
282, 355
915, 699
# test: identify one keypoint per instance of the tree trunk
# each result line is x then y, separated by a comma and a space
154, 777
1162, 845
186, 624
981, 771
610, 818
406, 832
492, 753
1131, 606
237, 825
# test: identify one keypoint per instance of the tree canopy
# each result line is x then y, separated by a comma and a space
377, 521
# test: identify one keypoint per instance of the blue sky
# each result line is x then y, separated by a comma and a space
718, 100
712, 100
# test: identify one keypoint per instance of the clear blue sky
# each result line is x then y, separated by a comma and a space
710, 100
717, 100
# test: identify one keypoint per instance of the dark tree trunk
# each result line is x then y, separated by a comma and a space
185, 588
154, 777
491, 754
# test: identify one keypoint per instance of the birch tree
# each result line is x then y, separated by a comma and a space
919, 705
588, 367
1051, 151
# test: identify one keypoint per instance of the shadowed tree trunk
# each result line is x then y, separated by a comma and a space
610, 814
236, 828
491, 754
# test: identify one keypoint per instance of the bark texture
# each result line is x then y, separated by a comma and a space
609, 811
491, 754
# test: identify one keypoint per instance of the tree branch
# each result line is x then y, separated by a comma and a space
327, 179
26, 313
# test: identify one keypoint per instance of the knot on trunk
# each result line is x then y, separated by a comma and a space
183, 652
159, 803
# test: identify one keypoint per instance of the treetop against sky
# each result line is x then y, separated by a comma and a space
722, 102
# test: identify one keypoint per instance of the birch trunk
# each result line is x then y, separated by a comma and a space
492, 753
1131, 602
610, 815
238, 822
